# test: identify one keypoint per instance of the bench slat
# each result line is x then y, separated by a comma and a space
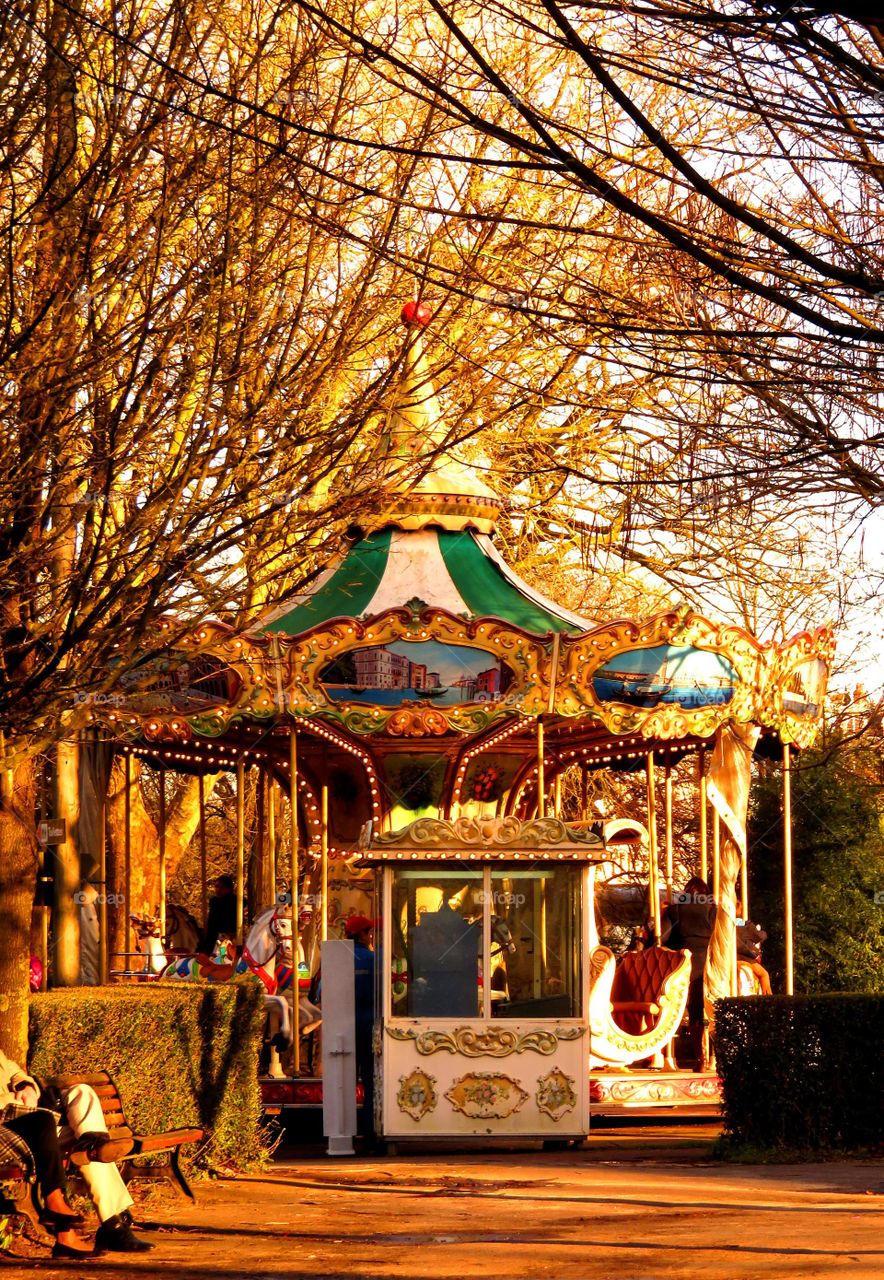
152, 1142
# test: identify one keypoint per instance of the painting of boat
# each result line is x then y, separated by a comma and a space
666, 674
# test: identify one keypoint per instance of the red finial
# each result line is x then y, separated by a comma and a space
416, 313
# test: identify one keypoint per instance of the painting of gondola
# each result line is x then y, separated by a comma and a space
666, 674
802, 692
392, 674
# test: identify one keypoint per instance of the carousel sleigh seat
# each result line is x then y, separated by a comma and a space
637, 1005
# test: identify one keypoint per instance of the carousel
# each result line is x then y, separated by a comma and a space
420, 708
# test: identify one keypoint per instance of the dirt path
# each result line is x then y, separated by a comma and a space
634, 1206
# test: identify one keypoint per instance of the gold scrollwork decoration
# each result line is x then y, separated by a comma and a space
489, 1042
556, 1094
484, 1095
417, 1094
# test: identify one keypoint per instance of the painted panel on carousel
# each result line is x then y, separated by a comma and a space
401, 671
678, 675
805, 688
171, 684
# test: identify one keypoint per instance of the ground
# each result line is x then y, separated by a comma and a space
638, 1204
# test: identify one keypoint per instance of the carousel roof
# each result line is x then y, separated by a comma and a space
459, 571
429, 542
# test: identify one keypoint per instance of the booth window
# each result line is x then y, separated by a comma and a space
521, 923
535, 941
437, 942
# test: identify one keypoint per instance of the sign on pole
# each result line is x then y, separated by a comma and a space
54, 831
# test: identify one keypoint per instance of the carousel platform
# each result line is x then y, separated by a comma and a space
638, 1092
611, 1093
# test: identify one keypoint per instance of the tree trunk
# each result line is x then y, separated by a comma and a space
66, 867
18, 875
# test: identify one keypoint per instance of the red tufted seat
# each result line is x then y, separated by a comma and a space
637, 985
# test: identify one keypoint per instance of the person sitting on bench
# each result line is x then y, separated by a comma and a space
36, 1129
83, 1132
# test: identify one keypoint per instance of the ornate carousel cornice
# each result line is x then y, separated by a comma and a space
466, 839
277, 679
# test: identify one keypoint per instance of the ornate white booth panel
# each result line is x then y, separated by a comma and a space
457, 1079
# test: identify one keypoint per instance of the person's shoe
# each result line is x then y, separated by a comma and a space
99, 1146
61, 1221
60, 1250
116, 1236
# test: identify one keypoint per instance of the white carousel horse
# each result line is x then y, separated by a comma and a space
266, 955
182, 935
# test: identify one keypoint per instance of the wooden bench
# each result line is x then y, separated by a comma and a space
143, 1144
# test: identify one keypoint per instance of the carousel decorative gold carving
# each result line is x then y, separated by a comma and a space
417, 1094
484, 1095
492, 836
490, 1042
556, 1094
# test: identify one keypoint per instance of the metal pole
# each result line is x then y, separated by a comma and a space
557, 796
271, 834
787, 868
667, 818
260, 843
716, 854
127, 857
103, 951
204, 886
293, 895
162, 855
541, 774
324, 864
653, 871
584, 792
704, 833
240, 846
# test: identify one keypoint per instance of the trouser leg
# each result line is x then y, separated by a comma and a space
365, 1072
83, 1114
37, 1129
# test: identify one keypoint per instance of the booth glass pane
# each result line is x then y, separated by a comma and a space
436, 942
535, 941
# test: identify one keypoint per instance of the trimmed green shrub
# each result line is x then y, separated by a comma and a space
802, 1072
181, 1055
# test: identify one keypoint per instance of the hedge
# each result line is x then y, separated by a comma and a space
180, 1054
802, 1072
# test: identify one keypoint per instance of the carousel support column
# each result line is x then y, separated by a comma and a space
103, 953
787, 868
204, 886
260, 879
667, 801
271, 835
541, 773
293, 894
704, 832
324, 863
240, 846
716, 855
653, 871
127, 856
162, 904
584, 793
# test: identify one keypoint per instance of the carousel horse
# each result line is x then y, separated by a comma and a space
182, 935
266, 956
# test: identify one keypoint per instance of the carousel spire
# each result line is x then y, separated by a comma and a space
449, 494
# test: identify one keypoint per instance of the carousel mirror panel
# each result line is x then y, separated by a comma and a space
535, 941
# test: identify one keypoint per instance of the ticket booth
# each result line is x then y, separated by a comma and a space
483, 990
